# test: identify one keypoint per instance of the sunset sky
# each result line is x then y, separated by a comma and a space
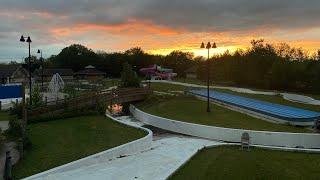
157, 26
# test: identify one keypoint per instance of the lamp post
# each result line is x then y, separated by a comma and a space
41, 59
22, 39
209, 46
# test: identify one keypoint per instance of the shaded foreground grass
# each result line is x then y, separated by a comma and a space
58, 142
232, 163
192, 110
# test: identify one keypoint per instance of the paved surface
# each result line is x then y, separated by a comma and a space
165, 156
10, 146
4, 125
168, 152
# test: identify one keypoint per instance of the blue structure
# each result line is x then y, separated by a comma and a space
10, 91
281, 113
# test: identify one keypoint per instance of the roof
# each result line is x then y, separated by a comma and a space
61, 72
7, 70
90, 72
193, 69
90, 67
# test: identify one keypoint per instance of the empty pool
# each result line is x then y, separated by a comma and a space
271, 111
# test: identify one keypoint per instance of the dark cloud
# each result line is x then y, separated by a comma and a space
199, 15
243, 16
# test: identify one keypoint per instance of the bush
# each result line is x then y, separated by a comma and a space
129, 78
101, 108
66, 113
16, 110
15, 128
36, 97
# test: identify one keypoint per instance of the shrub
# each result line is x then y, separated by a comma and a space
66, 113
101, 107
129, 78
36, 97
16, 110
15, 129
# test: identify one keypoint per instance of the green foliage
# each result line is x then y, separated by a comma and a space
66, 113
129, 78
15, 128
36, 97
16, 110
101, 107
179, 61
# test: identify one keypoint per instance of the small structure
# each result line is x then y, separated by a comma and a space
245, 141
65, 74
191, 73
13, 74
90, 73
156, 72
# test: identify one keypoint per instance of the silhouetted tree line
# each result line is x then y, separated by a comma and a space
77, 57
263, 65
267, 66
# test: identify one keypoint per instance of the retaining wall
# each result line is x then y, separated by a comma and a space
265, 138
122, 150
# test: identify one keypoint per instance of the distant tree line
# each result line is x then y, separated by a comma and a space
77, 57
267, 66
263, 65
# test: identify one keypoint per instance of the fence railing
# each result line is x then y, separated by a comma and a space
118, 95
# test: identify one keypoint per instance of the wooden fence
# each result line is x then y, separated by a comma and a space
114, 96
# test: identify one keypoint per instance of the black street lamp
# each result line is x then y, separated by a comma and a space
208, 71
42, 67
22, 39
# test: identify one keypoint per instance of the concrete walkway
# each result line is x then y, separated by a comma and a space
168, 153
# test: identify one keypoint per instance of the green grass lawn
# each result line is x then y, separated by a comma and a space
58, 142
273, 99
232, 163
4, 116
165, 87
190, 109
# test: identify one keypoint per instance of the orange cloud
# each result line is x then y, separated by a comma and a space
158, 39
132, 27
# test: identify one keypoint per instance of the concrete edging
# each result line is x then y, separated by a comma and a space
130, 148
263, 138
